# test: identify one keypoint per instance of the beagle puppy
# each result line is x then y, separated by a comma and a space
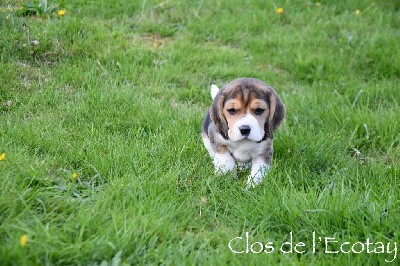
238, 128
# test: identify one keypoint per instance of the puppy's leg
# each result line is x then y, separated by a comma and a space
259, 167
207, 144
224, 162
222, 159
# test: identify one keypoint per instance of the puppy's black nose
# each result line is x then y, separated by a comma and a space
245, 130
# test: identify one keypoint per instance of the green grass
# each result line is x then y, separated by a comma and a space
115, 91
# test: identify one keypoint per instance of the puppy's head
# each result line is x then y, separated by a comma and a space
247, 109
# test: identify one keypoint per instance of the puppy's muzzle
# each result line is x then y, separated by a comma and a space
245, 130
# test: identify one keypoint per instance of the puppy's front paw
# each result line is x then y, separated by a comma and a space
258, 170
223, 163
255, 180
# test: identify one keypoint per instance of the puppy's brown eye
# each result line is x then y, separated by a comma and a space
259, 111
232, 111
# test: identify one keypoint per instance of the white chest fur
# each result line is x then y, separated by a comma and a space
244, 150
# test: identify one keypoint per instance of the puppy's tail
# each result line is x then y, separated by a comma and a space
214, 90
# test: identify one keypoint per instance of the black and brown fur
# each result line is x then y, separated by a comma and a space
215, 125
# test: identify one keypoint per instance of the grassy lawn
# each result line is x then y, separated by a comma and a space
101, 158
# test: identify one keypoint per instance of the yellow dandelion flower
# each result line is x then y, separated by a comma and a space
24, 239
74, 176
61, 12
279, 11
2, 156
318, 3
357, 12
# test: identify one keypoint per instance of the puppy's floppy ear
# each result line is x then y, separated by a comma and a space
217, 115
277, 113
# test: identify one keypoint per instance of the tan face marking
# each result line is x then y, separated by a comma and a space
260, 110
234, 109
